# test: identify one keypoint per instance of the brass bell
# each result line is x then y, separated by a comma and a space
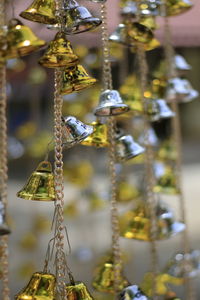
127, 148
41, 11
40, 185
136, 224
110, 104
132, 292
166, 179
59, 53
140, 33
4, 229
167, 151
41, 287
176, 7
127, 192
75, 131
99, 137
104, 277
183, 265
171, 296
77, 19
78, 291
75, 79
162, 281
21, 40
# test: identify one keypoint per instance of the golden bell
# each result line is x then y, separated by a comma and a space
126, 192
140, 33
99, 137
78, 291
127, 148
59, 53
41, 11
136, 224
4, 229
176, 7
162, 281
40, 287
21, 40
40, 185
75, 131
166, 180
132, 292
104, 278
76, 79
167, 151
77, 19
110, 104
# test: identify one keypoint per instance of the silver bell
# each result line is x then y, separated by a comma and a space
132, 292
127, 148
164, 110
180, 63
110, 104
184, 264
4, 230
149, 136
74, 131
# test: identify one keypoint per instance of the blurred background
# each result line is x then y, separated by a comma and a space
30, 126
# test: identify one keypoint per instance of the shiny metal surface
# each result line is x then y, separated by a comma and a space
40, 185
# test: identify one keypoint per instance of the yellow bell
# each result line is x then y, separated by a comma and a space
59, 53
103, 281
140, 33
41, 11
40, 185
40, 287
166, 180
75, 79
149, 22
162, 281
78, 291
126, 192
167, 151
21, 40
99, 137
135, 224
176, 7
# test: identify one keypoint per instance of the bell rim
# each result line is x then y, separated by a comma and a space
93, 23
99, 110
36, 17
80, 138
4, 229
35, 198
25, 50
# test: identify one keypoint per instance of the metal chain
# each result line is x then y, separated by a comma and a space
59, 187
107, 84
116, 252
4, 168
177, 139
149, 172
106, 68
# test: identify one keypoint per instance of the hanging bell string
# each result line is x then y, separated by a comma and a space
106, 68
149, 173
177, 137
3, 166
107, 84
